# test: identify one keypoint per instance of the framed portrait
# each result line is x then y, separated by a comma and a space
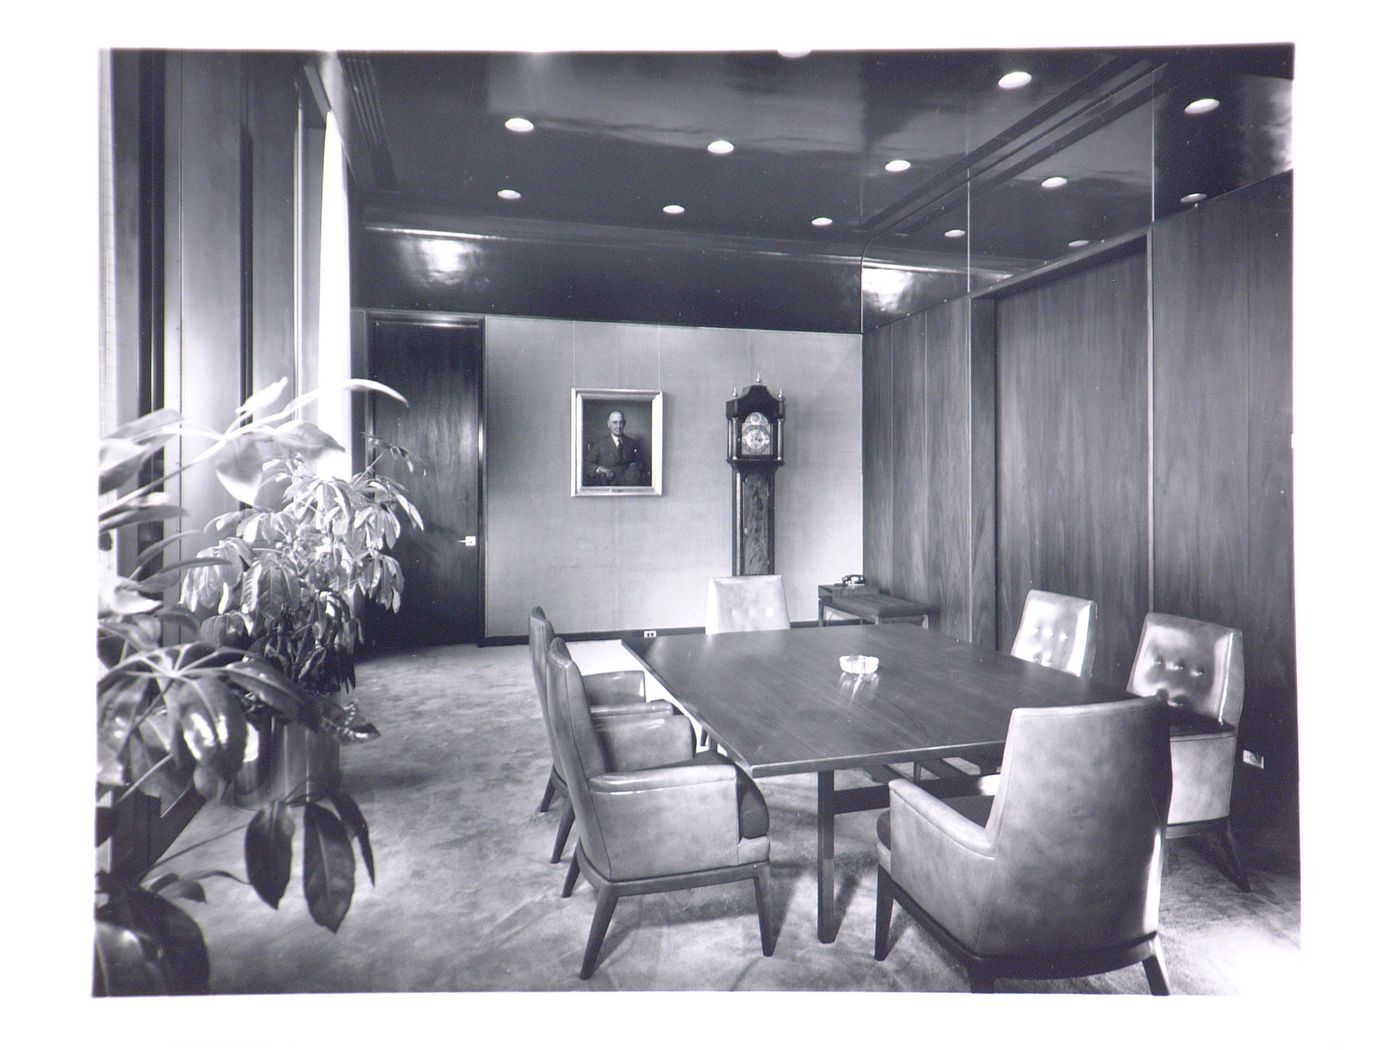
617, 443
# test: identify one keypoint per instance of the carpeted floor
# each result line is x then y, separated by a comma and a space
466, 899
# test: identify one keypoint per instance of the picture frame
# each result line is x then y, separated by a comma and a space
631, 465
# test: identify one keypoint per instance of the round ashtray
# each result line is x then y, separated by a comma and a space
860, 664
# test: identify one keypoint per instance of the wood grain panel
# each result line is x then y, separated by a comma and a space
1072, 478
982, 485
948, 431
1270, 724
910, 514
1200, 424
877, 439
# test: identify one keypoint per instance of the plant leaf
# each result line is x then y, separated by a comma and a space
239, 466
211, 722
359, 827
327, 867
125, 963
267, 851
182, 951
268, 395
270, 687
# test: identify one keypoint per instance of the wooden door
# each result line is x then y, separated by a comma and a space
437, 367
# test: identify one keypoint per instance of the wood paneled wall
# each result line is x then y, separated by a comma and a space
1222, 438
1122, 432
1072, 458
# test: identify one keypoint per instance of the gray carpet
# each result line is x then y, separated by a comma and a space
466, 899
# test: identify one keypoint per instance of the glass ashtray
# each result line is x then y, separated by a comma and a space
854, 664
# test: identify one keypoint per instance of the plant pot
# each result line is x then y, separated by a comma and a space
287, 762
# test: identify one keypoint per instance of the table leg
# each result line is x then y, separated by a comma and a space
826, 856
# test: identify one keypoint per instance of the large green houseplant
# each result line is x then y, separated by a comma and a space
173, 708
288, 577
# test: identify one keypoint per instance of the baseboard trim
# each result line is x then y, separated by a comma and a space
609, 636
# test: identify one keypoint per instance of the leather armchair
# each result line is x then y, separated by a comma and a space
1059, 874
1056, 630
1198, 668
746, 603
614, 694
683, 820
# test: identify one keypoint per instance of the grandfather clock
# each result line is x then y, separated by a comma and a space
755, 420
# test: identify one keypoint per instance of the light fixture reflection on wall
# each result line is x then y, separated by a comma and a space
885, 285
442, 260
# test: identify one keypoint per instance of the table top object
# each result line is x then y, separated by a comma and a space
854, 663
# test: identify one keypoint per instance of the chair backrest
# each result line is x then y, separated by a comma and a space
579, 752
1058, 631
541, 633
1196, 664
1079, 825
746, 603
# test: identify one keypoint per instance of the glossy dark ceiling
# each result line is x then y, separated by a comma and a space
619, 135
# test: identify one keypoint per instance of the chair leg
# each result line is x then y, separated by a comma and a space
548, 794
571, 877
566, 821
884, 910
1156, 967
602, 915
765, 913
1232, 858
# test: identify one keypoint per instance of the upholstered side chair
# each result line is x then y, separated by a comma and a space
1056, 630
612, 694
1198, 667
1058, 874
653, 816
746, 603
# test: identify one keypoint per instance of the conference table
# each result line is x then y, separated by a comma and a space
778, 703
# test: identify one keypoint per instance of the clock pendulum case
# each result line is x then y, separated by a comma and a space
755, 420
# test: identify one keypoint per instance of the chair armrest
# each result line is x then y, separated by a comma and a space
666, 821
647, 709
644, 743
615, 687
927, 816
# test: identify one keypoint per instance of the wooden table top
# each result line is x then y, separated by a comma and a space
779, 703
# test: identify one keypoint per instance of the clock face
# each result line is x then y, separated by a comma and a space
756, 435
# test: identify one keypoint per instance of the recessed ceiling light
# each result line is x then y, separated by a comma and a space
508, 195
1203, 105
1054, 182
720, 146
955, 233
519, 124
1012, 81
897, 166
1078, 244
1193, 198
821, 220
794, 54
673, 209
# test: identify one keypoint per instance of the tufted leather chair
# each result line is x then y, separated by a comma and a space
746, 603
652, 815
1060, 873
612, 694
1198, 668
1058, 631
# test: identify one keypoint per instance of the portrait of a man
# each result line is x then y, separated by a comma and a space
616, 442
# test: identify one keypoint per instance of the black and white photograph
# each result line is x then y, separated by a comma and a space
974, 648
618, 443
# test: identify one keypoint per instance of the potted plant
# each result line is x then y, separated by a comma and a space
173, 712
287, 580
